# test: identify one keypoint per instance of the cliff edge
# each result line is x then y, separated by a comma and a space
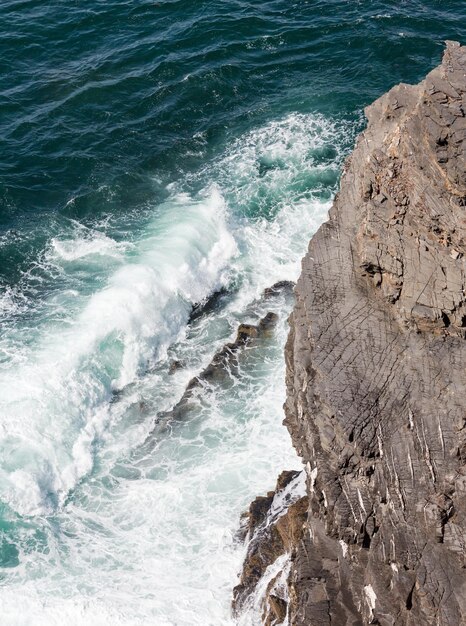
376, 383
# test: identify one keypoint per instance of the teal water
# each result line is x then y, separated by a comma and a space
152, 154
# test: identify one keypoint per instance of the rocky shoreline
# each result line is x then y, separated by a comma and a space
225, 364
376, 385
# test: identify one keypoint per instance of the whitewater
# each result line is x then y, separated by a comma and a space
161, 165
107, 518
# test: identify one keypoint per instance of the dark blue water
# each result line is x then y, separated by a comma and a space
98, 97
152, 153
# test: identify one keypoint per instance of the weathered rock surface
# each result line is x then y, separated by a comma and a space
376, 379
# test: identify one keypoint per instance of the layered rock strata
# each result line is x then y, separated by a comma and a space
376, 379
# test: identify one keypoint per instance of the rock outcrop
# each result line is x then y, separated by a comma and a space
273, 524
224, 363
376, 374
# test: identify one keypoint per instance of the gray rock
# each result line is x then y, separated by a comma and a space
224, 363
273, 523
376, 378
286, 286
175, 366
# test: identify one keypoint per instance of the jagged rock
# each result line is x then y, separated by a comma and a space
175, 366
276, 612
246, 332
376, 378
267, 324
286, 286
213, 302
223, 360
273, 525
223, 363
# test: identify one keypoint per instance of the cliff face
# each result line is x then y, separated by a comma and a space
376, 379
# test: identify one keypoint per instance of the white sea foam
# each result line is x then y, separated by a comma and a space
98, 244
253, 612
295, 490
55, 407
11, 302
127, 528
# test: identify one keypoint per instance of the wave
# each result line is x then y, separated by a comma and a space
55, 407
100, 510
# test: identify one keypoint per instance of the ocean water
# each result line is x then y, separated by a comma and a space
153, 154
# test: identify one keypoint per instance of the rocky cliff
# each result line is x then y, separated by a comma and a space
376, 384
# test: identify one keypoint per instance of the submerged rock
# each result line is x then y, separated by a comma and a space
219, 371
175, 366
268, 323
283, 286
212, 303
376, 380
